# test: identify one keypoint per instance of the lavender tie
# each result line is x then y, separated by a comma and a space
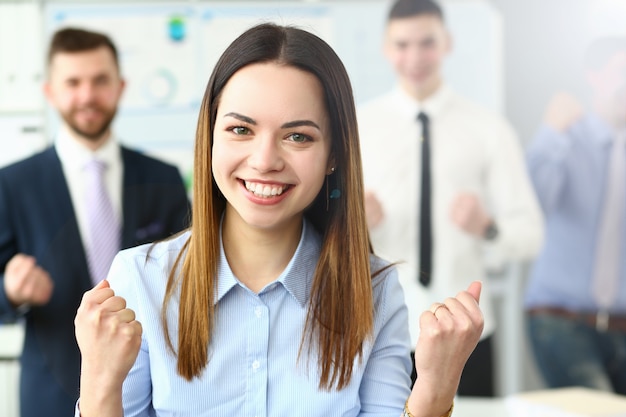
103, 240
609, 251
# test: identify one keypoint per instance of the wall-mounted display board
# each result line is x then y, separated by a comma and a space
168, 50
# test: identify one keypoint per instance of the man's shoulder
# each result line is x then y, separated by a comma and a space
145, 162
375, 105
378, 113
475, 117
474, 109
140, 168
29, 164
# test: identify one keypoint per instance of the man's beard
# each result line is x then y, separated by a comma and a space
94, 132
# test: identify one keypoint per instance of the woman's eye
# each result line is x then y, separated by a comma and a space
240, 130
299, 137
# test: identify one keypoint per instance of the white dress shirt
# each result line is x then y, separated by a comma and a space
74, 156
472, 150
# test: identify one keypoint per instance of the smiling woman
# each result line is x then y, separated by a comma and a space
273, 302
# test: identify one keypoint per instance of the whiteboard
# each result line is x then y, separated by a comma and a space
21, 58
167, 52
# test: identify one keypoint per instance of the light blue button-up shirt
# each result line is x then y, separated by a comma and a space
569, 171
253, 368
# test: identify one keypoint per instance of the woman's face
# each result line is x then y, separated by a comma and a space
271, 144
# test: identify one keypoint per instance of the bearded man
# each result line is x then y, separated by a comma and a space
65, 212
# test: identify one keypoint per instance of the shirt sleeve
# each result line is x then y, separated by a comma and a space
136, 395
546, 156
7, 250
137, 388
513, 202
386, 381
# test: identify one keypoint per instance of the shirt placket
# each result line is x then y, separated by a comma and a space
257, 358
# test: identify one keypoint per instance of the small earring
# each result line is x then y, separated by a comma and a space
332, 169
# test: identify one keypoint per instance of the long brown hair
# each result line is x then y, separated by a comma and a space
340, 312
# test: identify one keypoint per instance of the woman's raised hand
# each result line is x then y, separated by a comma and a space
449, 332
109, 339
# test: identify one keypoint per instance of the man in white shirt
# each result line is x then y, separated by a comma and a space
452, 178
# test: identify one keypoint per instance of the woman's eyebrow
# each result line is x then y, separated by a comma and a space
241, 117
297, 123
288, 125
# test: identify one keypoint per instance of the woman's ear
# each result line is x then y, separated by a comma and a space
330, 167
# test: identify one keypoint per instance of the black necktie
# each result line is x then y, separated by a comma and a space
426, 236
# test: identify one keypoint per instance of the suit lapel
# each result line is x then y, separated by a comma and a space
130, 199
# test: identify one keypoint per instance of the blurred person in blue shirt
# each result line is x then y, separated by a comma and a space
576, 296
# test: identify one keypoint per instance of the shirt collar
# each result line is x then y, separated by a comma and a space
297, 277
74, 155
432, 106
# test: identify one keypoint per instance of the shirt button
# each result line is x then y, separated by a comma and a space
256, 365
258, 311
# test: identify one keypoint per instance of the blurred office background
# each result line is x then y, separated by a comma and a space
509, 55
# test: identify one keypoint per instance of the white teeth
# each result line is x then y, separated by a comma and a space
264, 190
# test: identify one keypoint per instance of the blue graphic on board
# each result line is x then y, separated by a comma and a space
177, 29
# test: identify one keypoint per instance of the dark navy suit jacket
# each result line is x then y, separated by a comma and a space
37, 218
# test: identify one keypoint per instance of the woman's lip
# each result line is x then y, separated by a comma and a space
268, 182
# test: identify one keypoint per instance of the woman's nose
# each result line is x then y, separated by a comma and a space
266, 154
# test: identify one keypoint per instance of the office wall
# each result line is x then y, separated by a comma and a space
543, 45
21, 74
166, 74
